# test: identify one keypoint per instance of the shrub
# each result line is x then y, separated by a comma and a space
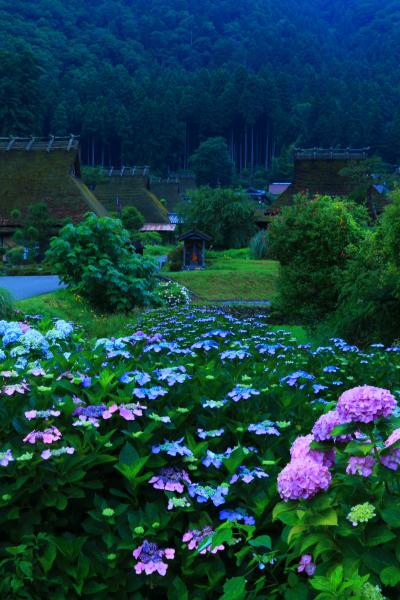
148, 238
15, 255
312, 240
96, 260
226, 215
175, 258
131, 218
7, 304
369, 302
173, 294
339, 519
259, 245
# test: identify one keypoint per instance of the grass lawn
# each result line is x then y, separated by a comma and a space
231, 275
65, 305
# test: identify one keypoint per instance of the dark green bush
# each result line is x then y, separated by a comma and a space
175, 258
369, 303
312, 240
259, 245
96, 259
15, 255
7, 305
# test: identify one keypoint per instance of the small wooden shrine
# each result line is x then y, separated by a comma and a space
194, 249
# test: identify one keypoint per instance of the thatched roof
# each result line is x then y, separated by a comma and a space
131, 187
36, 170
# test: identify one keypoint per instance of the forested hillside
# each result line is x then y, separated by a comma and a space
146, 81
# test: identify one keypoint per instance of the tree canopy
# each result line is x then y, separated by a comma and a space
147, 82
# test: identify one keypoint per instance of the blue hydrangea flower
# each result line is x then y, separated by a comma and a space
207, 492
140, 377
236, 515
293, 379
215, 459
264, 428
248, 475
330, 369
242, 392
209, 434
204, 345
172, 375
213, 403
150, 393
235, 354
172, 448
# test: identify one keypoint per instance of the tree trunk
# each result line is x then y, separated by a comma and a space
252, 149
245, 147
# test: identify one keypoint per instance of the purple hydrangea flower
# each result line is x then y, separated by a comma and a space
303, 478
306, 564
194, 538
46, 454
151, 558
248, 475
41, 414
48, 436
365, 404
5, 458
393, 438
325, 424
95, 411
360, 465
301, 449
391, 460
207, 492
172, 448
171, 480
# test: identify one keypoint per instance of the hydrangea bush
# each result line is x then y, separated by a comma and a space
148, 466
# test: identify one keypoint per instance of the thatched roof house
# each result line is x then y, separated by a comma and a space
317, 171
130, 186
36, 170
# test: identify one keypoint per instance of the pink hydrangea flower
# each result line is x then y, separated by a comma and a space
194, 538
48, 436
365, 404
360, 465
325, 424
150, 558
301, 449
306, 564
18, 388
303, 478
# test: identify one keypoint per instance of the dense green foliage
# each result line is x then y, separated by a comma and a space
369, 306
36, 227
312, 240
151, 80
7, 304
212, 164
226, 215
75, 505
96, 259
131, 218
259, 245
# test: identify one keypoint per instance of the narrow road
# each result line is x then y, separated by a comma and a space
27, 286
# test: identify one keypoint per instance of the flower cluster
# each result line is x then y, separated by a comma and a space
194, 539
151, 558
361, 513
